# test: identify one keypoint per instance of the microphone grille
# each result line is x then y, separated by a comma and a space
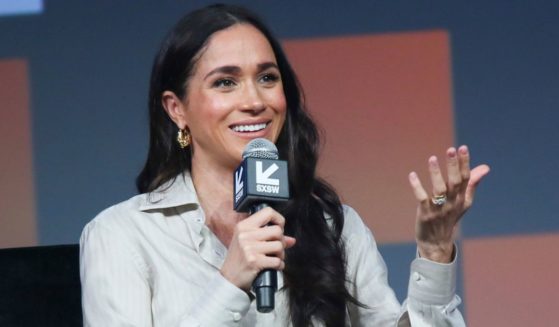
260, 148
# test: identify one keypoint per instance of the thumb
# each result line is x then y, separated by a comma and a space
476, 175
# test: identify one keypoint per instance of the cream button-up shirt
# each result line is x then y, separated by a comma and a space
152, 261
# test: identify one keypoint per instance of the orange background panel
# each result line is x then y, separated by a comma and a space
385, 105
17, 199
511, 281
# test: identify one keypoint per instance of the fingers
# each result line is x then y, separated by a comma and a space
464, 160
461, 182
277, 248
266, 233
437, 180
272, 254
258, 243
262, 235
264, 217
476, 175
454, 175
418, 190
270, 248
289, 241
272, 263
458, 171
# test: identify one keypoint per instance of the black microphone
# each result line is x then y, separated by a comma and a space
261, 179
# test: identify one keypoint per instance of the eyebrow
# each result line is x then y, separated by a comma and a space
266, 65
235, 70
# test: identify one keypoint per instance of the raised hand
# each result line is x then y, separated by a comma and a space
438, 213
256, 246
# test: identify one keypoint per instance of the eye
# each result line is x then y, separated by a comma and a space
269, 78
223, 83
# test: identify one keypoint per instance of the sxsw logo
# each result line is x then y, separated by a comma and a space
264, 182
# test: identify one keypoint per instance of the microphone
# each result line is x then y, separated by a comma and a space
261, 179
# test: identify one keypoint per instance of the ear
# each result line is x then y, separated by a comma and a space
175, 108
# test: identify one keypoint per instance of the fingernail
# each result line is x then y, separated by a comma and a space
464, 149
433, 162
451, 152
413, 175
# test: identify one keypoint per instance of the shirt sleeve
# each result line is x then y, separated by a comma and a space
431, 292
116, 288
432, 300
223, 304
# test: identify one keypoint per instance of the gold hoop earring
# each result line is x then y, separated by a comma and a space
183, 137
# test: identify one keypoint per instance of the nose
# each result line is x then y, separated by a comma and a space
252, 100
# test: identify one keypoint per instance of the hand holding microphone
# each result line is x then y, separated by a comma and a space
261, 179
254, 249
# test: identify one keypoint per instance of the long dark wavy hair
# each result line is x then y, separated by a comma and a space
315, 268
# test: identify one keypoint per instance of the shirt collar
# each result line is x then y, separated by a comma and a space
174, 193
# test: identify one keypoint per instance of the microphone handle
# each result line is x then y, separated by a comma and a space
265, 284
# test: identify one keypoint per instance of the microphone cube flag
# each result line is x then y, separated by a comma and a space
260, 180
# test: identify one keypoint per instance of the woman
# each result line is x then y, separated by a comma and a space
179, 255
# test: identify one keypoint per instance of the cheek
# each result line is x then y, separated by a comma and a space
208, 110
281, 109
277, 98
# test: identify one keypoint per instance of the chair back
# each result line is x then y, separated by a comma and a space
40, 286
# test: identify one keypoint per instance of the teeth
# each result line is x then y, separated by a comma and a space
249, 128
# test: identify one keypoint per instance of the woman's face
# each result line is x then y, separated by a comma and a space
234, 95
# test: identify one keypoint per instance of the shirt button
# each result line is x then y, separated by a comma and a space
416, 276
237, 316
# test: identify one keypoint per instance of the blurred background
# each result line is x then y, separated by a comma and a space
389, 82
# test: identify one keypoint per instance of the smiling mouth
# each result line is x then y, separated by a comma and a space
249, 127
